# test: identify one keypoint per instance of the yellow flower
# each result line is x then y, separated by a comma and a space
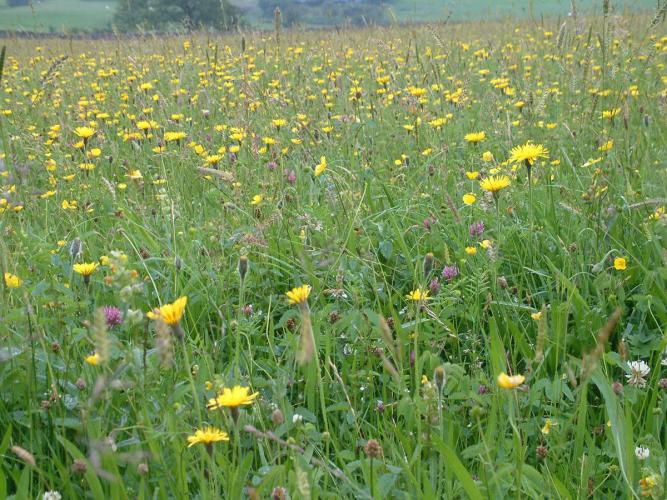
417, 295
510, 382
472, 175
84, 269
494, 184
469, 198
536, 315
174, 136
548, 424
528, 153
485, 244
135, 175
257, 199
12, 281
487, 156
607, 145
232, 398
93, 359
298, 295
620, 264
471, 250
207, 435
170, 313
475, 137
321, 166
84, 132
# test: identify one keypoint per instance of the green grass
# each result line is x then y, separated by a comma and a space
361, 391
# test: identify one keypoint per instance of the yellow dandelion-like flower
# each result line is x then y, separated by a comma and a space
510, 382
84, 132
207, 436
298, 295
475, 137
232, 398
471, 250
528, 153
494, 184
171, 314
85, 269
469, 198
417, 295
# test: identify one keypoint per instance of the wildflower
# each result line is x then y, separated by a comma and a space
85, 270
298, 295
207, 436
510, 381
257, 199
469, 198
650, 486
548, 424
487, 156
642, 453
638, 371
51, 495
321, 166
475, 137
620, 264
495, 184
536, 315
93, 359
417, 295
135, 175
232, 399
472, 175
471, 250
434, 286
84, 132
113, 316
373, 449
528, 153
170, 313
476, 229
450, 272
12, 281
485, 244
174, 136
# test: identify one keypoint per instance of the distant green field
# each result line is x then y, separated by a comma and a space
60, 15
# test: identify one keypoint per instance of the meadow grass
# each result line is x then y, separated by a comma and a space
161, 196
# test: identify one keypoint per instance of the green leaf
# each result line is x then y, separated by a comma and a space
458, 468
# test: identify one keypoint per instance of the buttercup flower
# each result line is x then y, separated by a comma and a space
321, 166
510, 382
12, 281
620, 264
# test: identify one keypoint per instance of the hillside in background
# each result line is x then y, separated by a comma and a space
92, 15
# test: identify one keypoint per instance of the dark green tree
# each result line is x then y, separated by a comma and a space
169, 14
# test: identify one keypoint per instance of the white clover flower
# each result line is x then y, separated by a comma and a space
297, 419
638, 371
52, 495
642, 453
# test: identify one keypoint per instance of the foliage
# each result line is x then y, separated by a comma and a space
168, 14
423, 263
